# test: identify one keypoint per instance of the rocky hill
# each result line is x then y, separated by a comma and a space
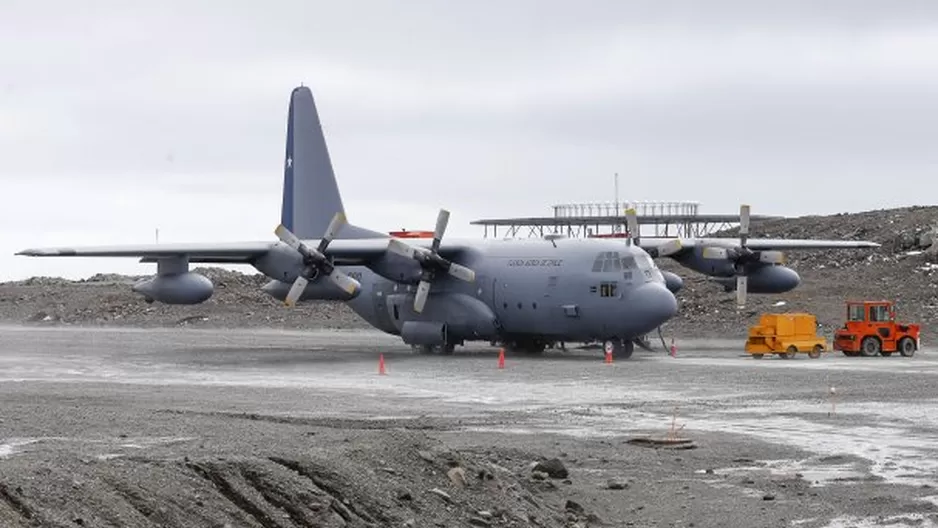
905, 269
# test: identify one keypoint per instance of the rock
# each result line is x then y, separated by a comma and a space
478, 521
457, 476
554, 468
573, 506
442, 494
616, 484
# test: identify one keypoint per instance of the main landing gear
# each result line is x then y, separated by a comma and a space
443, 350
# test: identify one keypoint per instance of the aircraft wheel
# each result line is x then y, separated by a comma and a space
815, 352
907, 346
870, 346
422, 349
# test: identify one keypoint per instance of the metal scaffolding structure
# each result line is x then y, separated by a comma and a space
580, 220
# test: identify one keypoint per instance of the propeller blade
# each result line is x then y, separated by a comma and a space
772, 257
396, 246
441, 222
295, 291
670, 248
420, 299
334, 226
715, 253
343, 281
287, 237
631, 220
462, 272
741, 287
743, 224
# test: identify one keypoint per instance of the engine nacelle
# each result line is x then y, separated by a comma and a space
672, 281
320, 290
182, 288
765, 279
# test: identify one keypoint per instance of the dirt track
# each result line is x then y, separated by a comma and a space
261, 428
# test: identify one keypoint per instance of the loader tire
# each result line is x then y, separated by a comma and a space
870, 346
907, 346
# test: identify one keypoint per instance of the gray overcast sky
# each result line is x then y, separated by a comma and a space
120, 117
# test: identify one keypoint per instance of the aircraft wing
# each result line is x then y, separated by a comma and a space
793, 243
343, 251
224, 252
674, 245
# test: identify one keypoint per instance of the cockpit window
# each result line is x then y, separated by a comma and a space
628, 262
607, 261
644, 261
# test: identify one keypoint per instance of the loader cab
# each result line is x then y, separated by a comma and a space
871, 312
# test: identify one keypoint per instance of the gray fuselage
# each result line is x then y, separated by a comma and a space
562, 290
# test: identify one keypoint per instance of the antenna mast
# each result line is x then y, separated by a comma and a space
618, 212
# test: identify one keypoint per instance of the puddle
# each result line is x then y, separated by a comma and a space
911, 520
813, 471
9, 448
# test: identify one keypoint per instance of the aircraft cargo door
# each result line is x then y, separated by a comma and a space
528, 305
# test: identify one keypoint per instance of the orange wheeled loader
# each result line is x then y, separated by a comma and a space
871, 329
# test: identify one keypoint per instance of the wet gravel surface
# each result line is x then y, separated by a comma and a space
194, 427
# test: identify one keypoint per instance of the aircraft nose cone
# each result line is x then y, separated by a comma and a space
654, 305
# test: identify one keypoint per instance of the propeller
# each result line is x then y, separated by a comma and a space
430, 261
635, 237
315, 262
742, 256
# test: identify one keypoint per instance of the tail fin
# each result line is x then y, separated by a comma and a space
310, 191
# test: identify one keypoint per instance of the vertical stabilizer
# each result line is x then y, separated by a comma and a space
310, 191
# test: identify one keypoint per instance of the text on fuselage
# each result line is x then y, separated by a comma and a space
534, 263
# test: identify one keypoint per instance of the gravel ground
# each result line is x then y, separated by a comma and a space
125, 427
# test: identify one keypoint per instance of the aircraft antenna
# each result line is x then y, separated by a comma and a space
157, 235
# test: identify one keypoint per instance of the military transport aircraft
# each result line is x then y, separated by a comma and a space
435, 293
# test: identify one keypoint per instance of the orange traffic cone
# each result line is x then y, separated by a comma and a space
381, 370
501, 358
